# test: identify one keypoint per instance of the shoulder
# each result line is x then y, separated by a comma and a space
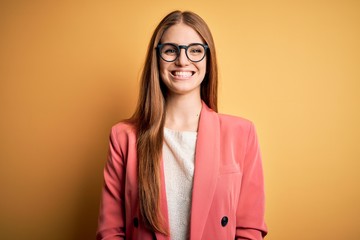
239, 131
229, 124
226, 120
124, 127
234, 123
123, 131
236, 128
234, 120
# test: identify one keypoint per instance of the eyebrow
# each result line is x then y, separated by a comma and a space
182, 44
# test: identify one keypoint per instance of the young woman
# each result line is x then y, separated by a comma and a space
178, 169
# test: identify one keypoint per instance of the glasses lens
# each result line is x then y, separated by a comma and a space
196, 52
169, 52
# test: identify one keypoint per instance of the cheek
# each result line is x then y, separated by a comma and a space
161, 65
163, 69
202, 68
204, 65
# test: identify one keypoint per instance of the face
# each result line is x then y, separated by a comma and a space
182, 76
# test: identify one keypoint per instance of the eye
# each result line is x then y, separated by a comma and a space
196, 49
169, 50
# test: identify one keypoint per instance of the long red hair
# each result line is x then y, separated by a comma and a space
149, 116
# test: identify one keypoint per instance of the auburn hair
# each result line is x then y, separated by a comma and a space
149, 116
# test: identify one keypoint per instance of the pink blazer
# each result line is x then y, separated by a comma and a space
228, 189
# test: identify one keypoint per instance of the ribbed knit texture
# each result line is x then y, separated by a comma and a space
179, 156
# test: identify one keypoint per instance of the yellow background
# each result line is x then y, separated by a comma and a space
70, 70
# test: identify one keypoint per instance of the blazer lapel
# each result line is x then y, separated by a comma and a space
207, 157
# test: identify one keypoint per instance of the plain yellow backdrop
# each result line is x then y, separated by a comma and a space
69, 70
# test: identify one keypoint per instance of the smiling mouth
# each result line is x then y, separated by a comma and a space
182, 74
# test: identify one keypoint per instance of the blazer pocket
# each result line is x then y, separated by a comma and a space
229, 168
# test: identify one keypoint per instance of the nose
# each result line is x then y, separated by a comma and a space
182, 59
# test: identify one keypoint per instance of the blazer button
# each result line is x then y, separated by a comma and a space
136, 222
224, 221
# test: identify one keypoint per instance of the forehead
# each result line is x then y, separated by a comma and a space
181, 34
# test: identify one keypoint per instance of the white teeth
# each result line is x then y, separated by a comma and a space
183, 74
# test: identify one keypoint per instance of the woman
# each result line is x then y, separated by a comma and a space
177, 169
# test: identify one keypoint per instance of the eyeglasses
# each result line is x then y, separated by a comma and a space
169, 52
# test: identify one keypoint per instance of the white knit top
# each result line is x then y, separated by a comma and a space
179, 157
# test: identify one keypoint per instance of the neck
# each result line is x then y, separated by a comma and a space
183, 112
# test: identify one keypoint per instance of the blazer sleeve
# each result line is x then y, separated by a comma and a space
250, 223
111, 222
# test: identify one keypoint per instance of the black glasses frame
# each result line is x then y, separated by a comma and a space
179, 47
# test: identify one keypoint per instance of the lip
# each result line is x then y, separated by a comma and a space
182, 74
